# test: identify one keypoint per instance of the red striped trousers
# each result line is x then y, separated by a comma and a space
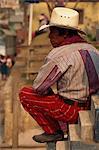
48, 110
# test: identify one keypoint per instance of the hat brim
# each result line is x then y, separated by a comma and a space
60, 26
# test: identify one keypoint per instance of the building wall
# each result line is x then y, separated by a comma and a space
91, 14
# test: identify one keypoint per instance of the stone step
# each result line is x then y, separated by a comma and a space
74, 138
94, 103
25, 139
31, 76
36, 57
35, 64
62, 145
76, 142
86, 125
0, 139
34, 67
95, 111
39, 50
1, 133
74, 134
32, 70
1, 127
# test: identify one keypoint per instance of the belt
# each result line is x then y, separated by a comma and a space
79, 104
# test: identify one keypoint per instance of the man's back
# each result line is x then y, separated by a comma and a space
74, 83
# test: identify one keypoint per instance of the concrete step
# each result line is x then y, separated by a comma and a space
86, 125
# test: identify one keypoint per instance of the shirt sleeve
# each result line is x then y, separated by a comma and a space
48, 74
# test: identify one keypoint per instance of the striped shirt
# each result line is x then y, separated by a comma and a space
65, 66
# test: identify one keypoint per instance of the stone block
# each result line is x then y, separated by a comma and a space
62, 145
74, 132
95, 110
76, 142
33, 67
74, 138
51, 146
35, 64
8, 106
8, 126
83, 146
86, 125
37, 57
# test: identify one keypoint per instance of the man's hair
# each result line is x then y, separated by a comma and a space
71, 32
63, 31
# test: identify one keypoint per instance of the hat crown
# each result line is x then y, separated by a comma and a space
64, 17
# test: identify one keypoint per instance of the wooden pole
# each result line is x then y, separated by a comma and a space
30, 25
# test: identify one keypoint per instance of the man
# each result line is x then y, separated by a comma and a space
74, 65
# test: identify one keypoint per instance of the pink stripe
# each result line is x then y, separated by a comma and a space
91, 71
50, 79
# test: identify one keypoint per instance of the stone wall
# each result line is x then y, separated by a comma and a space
15, 117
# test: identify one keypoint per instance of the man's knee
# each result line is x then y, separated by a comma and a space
27, 93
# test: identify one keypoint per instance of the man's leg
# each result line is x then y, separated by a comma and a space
48, 110
37, 107
51, 126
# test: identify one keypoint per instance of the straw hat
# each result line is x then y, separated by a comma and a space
64, 18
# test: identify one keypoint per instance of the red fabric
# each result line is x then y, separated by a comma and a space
73, 39
48, 110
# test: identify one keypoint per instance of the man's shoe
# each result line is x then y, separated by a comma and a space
45, 137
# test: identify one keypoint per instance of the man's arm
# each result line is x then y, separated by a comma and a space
49, 73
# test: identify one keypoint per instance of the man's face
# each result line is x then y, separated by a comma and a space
54, 37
